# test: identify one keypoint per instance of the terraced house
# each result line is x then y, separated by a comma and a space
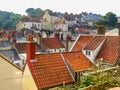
50, 71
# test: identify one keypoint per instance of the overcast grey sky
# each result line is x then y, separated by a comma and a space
70, 6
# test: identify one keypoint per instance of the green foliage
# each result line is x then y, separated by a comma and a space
34, 12
102, 78
22, 18
8, 19
86, 81
109, 20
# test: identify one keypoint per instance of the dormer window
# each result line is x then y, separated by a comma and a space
87, 52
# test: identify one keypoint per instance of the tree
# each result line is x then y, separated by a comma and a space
109, 20
34, 12
101, 78
8, 19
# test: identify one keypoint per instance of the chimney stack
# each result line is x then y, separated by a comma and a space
68, 38
100, 29
30, 49
57, 35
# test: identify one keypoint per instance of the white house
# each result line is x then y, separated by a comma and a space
60, 26
29, 23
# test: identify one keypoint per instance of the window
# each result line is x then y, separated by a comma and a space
32, 24
59, 50
88, 53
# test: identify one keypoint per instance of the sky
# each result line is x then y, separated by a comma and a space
70, 6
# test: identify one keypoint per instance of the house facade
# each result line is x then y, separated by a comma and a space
19, 25
10, 75
29, 23
48, 20
52, 45
60, 26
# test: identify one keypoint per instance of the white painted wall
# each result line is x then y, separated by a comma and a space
63, 27
30, 24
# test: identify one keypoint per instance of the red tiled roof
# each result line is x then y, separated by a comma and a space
60, 22
52, 43
82, 42
109, 51
28, 19
49, 70
77, 61
96, 41
21, 47
5, 35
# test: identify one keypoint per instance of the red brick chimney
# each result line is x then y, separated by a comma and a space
100, 29
57, 35
68, 38
30, 49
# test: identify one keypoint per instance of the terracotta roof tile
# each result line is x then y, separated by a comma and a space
60, 22
5, 35
28, 19
77, 61
21, 47
82, 42
52, 43
109, 51
96, 41
49, 70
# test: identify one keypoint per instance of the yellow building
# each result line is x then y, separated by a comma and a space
10, 75
19, 25
46, 23
28, 82
48, 20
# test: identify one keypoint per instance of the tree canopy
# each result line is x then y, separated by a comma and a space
34, 12
8, 19
109, 20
